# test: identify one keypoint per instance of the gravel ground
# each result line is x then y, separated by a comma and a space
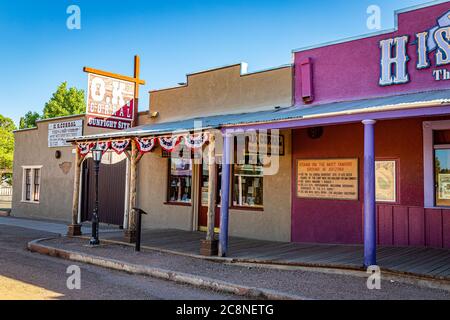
26, 275
313, 285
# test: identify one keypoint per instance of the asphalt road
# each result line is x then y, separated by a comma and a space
26, 275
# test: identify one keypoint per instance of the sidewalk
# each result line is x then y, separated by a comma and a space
59, 228
415, 261
254, 281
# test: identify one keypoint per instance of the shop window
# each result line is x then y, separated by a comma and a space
248, 185
31, 187
180, 180
442, 175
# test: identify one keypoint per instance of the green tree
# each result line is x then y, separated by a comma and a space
6, 142
29, 120
65, 102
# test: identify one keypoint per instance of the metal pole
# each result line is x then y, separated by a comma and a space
370, 241
95, 221
226, 162
138, 231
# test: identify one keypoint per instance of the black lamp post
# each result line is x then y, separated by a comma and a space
97, 154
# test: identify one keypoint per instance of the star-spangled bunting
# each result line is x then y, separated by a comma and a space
145, 144
119, 146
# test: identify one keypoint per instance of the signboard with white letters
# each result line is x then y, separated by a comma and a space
110, 102
60, 132
395, 57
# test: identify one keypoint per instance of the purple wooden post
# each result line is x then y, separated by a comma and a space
370, 244
225, 187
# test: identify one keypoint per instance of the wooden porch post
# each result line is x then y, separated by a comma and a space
130, 233
74, 229
209, 247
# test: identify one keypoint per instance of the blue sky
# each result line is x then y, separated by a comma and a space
172, 37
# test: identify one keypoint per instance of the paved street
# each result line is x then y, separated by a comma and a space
25, 275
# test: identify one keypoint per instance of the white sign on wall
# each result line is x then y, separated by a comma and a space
59, 132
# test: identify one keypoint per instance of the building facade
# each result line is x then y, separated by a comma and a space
362, 129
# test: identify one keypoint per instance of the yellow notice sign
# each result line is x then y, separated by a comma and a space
328, 179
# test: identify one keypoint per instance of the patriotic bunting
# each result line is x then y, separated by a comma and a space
145, 144
84, 148
119, 146
195, 141
104, 145
169, 143
192, 141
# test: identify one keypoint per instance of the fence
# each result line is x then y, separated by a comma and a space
6, 191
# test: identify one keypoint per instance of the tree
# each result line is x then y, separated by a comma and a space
6, 142
29, 120
65, 102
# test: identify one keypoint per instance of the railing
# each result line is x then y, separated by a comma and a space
6, 191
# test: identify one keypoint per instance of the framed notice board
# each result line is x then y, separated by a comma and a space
333, 179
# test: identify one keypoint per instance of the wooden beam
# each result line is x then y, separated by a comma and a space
75, 228
212, 186
131, 232
113, 75
137, 66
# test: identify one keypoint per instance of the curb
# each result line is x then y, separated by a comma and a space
319, 266
178, 277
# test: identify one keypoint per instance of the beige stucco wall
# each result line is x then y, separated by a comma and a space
31, 149
274, 223
223, 91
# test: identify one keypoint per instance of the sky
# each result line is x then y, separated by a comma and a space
172, 37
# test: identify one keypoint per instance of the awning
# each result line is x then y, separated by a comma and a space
302, 113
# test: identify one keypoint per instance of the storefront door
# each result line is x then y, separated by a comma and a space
111, 192
204, 188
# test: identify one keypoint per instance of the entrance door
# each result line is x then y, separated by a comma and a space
111, 188
204, 188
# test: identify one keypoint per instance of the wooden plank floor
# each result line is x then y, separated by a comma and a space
417, 260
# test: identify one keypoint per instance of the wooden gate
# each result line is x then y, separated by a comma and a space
111, 192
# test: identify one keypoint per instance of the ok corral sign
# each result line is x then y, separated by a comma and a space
110, 102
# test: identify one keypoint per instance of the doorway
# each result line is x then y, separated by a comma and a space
203, 201
111, 188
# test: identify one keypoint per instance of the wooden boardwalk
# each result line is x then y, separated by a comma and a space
428, 262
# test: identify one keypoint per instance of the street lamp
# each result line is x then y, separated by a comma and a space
97, 154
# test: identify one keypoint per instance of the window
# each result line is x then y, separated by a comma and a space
31, 184
248, 185
180, 180
442, 175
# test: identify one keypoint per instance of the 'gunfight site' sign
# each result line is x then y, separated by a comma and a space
110, 102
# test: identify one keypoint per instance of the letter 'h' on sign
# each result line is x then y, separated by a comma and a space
400, 60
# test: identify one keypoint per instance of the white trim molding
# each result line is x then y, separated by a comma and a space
32, 168
428, 159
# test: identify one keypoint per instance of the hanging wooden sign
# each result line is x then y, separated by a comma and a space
112, 99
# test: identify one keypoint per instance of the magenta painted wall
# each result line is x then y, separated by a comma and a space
334, 221
351, 70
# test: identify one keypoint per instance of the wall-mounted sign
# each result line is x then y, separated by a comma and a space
394, 55
327, 179
385, 181
265, 143
60, 132
110, 102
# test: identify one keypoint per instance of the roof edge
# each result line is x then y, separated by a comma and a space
372, 34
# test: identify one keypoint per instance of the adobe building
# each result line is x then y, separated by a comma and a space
175, 191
